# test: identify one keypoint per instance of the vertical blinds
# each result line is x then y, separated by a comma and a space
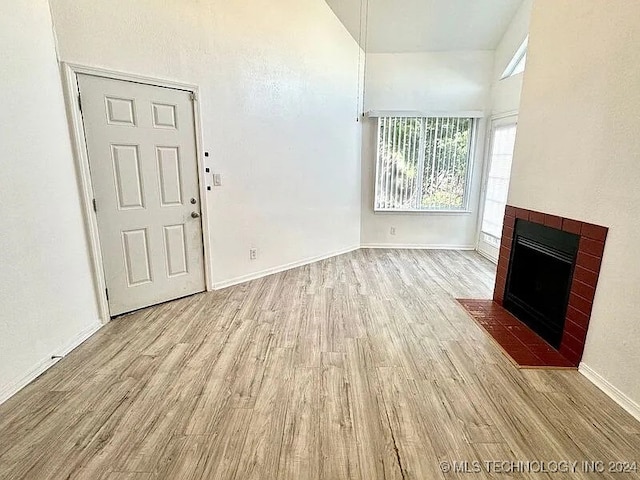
422, 163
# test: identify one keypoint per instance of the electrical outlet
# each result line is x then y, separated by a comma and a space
253, 254
393, 231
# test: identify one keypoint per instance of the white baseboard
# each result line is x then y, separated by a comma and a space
487, 256
281, 268
417, 246
620, 398
9, 390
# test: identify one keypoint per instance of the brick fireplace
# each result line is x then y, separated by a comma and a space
585, 274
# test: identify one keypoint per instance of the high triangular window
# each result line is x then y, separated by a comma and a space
517, 63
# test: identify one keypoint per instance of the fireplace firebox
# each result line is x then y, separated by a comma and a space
539, 278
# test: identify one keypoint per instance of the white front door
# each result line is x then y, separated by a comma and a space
142, 156
498, 175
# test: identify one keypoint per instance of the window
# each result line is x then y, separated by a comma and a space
423, 163
518, 62
502, 145
519, 68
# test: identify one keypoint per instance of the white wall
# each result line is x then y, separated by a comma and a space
505, 94
431, 81
279, 90
578, 155
47, 300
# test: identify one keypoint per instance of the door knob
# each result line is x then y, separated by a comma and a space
195, 215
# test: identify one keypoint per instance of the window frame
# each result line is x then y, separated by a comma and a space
464, 209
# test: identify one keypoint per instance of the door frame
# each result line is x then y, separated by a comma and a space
70, 72
510, 117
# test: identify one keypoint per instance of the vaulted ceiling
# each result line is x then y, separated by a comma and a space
425, 25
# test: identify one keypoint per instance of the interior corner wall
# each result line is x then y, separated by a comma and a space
505, 93
47, 298
428, 81
577, 155
279, 104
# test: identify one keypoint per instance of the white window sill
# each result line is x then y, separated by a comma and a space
425, 212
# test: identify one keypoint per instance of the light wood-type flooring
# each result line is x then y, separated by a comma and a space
362, 366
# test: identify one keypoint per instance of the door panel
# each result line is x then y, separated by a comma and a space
142, 157
120, 111
136, 256
169, 171
175, 248
126, 171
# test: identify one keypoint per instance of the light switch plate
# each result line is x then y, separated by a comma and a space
217, 179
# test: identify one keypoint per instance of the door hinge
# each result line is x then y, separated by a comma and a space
95, 206
106, 292
80, 102
192, 96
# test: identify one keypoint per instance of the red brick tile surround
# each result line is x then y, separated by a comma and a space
585, 277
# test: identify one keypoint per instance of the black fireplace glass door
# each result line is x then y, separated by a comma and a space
542, 283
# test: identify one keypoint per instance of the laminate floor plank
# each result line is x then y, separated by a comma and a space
337, 435
261, 451
300, 448
377, 456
